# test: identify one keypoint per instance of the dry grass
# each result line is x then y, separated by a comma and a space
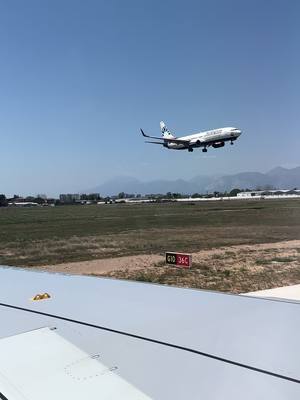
242, 269
225, 239
128, 242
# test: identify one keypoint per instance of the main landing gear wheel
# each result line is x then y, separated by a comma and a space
204, 150
191, 149
231, 142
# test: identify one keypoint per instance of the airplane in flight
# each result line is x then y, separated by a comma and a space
215, 138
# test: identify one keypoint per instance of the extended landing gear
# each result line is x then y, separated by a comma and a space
191, 149
231, 142
204, 150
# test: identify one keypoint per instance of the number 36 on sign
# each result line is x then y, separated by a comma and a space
179, 259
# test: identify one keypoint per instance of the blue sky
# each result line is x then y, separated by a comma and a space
79, 78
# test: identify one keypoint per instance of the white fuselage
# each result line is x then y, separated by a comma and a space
207, 138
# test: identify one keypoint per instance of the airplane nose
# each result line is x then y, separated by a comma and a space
238, 132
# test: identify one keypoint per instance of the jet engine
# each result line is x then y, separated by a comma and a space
218, 144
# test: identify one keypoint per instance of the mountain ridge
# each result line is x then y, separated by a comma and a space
278, 177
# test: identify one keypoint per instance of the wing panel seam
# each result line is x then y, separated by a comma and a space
146, 339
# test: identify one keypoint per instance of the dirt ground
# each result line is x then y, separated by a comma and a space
237, 269
104, 266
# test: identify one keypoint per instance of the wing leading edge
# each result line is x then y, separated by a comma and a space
164, 139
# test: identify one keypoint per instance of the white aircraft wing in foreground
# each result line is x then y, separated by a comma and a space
45, 365
99, 338
215, 138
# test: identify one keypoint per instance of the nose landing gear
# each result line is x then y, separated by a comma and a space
190, 149
231, 142
204, 150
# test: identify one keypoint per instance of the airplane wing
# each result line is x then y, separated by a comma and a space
104, 338
50, 367
161, 143
170, 140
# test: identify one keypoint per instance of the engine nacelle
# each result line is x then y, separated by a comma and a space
218, 144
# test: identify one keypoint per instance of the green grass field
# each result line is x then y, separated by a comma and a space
34, 236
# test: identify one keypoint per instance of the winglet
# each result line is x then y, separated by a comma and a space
143, 133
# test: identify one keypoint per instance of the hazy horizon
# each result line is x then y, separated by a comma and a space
78, 80
120, 178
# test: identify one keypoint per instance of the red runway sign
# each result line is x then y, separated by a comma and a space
179, 259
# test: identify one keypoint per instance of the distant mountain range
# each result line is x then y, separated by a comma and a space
279, 177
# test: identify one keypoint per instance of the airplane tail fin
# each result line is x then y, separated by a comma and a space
165, 131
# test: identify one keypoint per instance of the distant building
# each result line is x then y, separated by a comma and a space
69, 198
90, 196
276, 193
